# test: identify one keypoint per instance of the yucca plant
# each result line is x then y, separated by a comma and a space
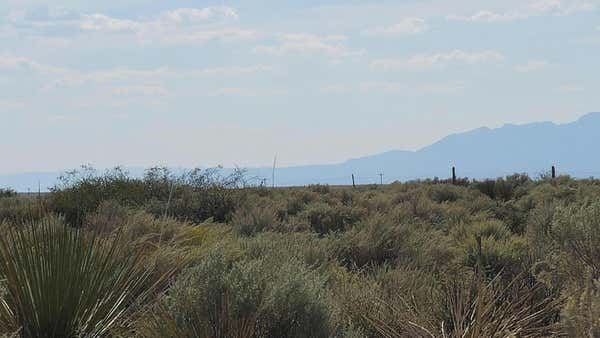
64, 282
477, 308
521, 308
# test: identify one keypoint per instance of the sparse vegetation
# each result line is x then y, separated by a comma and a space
200, 255
4, 192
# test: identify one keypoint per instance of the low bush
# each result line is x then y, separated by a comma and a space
504, 189
195, 195
577, 230
250, 220
7, 192
373, 242
19, 209
221, 298
324, 218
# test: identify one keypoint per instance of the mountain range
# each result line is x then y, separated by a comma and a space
481, 153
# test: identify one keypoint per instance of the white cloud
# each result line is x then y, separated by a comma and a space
63, 118
336, 89
532, 66
141, 90
398, 87
531, 9
425, 61
130, 83
393, 87
571, 88
195, 15
233, 71
178, 26
247, 92
560, 7
406, 26
73, 78
102, 23
331, 45
198, 37
9, 105
8, 62
488, 16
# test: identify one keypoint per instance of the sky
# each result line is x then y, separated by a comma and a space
203, 83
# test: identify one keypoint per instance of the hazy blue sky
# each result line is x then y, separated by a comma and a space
181, 82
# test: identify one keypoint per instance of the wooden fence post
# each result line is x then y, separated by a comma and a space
453, 175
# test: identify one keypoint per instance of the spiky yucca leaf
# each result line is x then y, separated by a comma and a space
477, 309
491, 309
63, 282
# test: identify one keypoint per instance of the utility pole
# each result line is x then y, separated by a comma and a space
353, 183
273, 174
381, 178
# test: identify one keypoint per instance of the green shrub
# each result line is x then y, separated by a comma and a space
319, 188
313, 250
504, 189
539, 228
108, 217
250, 220
373, 242
224, 298
576, 230
444, 193
324, 218
7, 192
19, 209
581, 314
195, 195
143, 228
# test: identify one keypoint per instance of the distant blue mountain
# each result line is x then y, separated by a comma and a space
481, 153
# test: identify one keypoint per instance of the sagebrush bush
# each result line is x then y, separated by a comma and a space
313, 250
222, 298
108, 217
577, 230
581, 314
324, 218
19, 209
252, 219
444, 193
373, 242
7, 192
195, 195
319, 188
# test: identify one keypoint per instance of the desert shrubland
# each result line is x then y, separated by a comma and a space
199, 254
